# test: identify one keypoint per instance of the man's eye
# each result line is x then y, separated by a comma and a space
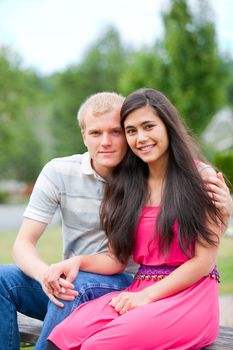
116, 132
95, 133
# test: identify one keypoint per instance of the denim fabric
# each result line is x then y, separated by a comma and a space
19, 292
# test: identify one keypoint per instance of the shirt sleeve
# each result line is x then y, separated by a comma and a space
45, 197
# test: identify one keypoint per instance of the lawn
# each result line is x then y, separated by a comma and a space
225, 265
50, 248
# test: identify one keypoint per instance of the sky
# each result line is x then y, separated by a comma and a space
50, 35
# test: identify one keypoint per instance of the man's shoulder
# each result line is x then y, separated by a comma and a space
68, 160
65, 165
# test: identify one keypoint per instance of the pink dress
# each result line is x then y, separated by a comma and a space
186, 320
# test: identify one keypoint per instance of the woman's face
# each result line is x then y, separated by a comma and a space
147, 135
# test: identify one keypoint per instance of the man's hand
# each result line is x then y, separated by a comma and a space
57, 280
220, 193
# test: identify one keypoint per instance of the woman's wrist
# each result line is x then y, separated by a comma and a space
149, 294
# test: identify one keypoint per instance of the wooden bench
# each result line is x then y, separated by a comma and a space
29, 329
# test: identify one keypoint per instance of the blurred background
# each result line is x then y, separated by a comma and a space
55, 53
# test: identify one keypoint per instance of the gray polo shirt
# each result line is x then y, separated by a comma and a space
71, 184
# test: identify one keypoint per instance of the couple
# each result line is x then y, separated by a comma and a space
76, 184
156, 208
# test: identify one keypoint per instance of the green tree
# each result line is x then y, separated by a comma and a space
224, 162
20, 156
99, 71
145, 68
195, 67
229, 82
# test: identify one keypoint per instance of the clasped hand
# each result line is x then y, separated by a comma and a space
57, 280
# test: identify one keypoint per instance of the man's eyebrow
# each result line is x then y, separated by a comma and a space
94, 129
112, 128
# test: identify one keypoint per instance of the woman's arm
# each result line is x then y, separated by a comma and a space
200, 265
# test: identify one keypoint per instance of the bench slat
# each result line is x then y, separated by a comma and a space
224, 340
30, 328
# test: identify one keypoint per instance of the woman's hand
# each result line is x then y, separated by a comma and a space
127, 301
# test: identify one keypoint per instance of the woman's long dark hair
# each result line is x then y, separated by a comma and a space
184, 199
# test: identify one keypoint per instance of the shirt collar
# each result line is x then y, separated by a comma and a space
87, 168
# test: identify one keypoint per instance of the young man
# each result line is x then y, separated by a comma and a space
75, 184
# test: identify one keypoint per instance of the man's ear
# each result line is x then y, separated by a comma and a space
84, 136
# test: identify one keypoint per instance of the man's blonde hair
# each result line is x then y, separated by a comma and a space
100, 103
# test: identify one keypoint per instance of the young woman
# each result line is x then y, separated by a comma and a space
155, 207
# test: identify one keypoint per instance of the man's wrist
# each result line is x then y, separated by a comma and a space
39, 276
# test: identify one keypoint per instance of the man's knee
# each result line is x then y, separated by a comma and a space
8, 273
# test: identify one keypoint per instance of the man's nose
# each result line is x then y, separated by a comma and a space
106, 140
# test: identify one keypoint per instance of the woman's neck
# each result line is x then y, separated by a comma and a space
155, 189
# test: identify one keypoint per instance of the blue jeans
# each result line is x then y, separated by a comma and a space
19, 292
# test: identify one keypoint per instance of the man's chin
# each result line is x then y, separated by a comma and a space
108, 164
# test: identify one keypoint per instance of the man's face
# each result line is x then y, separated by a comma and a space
105, 140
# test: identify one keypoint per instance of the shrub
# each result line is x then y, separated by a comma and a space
4, 197
224, 162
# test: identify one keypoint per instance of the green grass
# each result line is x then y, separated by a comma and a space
225, 265
50, 248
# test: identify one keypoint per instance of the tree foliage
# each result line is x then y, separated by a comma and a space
20, 149
100, 70
38, 114
145, 67
194, 62
224, 162
184, 64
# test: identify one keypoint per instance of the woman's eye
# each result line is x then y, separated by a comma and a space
130, 131
149, 126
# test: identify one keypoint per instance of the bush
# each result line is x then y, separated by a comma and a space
4, 197
224, 162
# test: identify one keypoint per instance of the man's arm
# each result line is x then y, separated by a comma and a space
218, 190
25, 253
27, 258
104, 263
43, 203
